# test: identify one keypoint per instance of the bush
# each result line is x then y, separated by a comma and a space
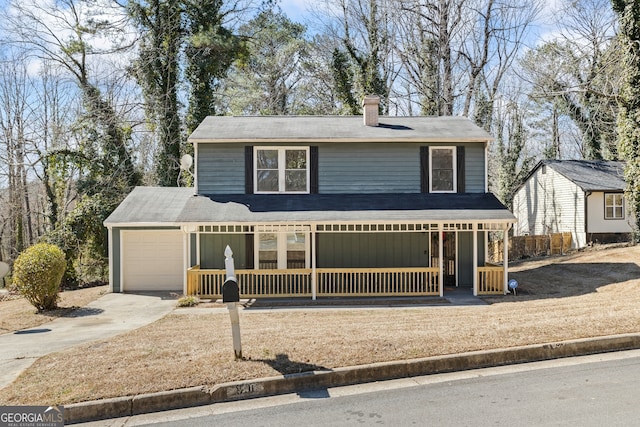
188, 301
37, 274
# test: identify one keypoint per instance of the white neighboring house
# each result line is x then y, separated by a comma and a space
583, 197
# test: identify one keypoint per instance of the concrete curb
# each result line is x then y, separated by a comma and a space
198, 396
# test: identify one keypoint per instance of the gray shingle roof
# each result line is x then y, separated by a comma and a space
336, 128
173, 206
591, 175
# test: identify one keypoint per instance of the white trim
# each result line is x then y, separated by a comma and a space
121, 261
195, 168
186, 250
613, 206
454, 167
486, 167
281, 168
281, 245
348, 223
110, 240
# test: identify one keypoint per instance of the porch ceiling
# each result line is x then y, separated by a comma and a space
149, 205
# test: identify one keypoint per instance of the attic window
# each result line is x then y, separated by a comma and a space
613, 206
281, 169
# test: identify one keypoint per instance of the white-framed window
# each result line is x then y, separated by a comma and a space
442, 169
282, 250
613, 206
281, 169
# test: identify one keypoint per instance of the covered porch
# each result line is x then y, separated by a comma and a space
315, 260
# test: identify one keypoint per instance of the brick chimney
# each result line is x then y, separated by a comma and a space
370, 105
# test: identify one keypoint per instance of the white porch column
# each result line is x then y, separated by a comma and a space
505, 258
314, 283
441, 260
475, 259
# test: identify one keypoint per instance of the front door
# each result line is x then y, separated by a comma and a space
448, 256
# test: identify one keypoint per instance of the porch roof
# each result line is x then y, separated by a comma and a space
178, 206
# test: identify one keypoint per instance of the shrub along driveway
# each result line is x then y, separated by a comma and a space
586, 294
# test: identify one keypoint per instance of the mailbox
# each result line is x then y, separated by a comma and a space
230, 291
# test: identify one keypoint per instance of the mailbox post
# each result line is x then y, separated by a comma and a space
231, 296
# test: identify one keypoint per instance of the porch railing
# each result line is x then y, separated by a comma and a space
377, 281
252, 283
330, 282
490, 280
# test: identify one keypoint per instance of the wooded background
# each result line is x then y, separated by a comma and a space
97, 96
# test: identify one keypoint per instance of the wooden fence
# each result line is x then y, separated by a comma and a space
531, 246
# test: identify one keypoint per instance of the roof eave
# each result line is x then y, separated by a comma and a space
320, 140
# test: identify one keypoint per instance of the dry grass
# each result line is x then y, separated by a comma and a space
582, 295
16, 313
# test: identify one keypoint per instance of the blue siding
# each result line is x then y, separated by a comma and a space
220, 169
343, 167
474, 168
362, 250
212, 248
369, 168
115, 256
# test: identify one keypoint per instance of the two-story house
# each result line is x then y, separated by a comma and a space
318, 206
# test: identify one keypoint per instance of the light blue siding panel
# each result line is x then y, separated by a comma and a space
474, 168
342, 167
369, 168
220, 169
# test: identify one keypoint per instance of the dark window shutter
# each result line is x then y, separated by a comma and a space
248, 169
313, 170
249, 251
424, 169
460, 169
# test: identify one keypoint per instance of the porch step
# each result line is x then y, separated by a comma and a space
462, 296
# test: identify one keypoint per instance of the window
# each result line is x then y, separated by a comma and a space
613, 206
283, 250
442, 169
281, 170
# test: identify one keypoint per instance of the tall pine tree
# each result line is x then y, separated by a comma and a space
629, 102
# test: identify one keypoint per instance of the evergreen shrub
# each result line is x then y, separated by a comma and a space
37, 274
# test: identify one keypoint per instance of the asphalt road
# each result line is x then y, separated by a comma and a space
600, 390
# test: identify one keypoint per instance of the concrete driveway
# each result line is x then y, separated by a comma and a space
109, 315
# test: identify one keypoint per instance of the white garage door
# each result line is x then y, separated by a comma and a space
152, 260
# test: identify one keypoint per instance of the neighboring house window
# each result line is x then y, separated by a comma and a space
613, 206
281, 170
442, 169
